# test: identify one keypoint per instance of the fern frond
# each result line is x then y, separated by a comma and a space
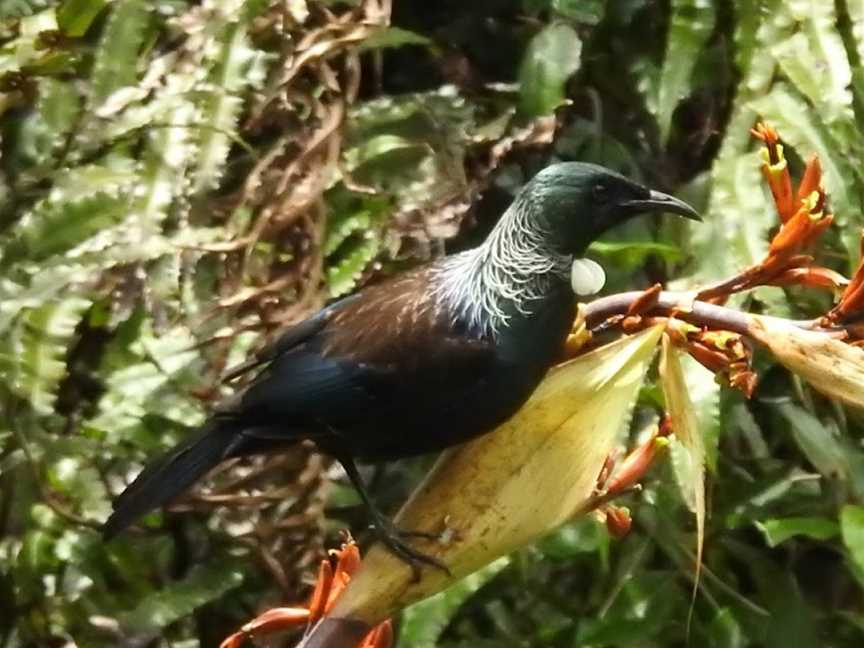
115, 62
239, 66
343, 275
33, 354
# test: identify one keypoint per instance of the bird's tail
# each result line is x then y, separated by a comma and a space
167, 477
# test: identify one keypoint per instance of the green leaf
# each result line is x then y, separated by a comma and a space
579, 537
589, 12
237, 66
793, 621
141, 372
20, 8
59, 106
393, 37
380, 146
23, 50
343, 275
815, 60
115, 63
690, 25
852, 529
725, 631
738, 216
760, 24
75, 478
342, 226
633, 254
74, 17
178, 599
819, 444
423, 623
855, 10
170, 151
705, 398
781, 529
55, 226
552, 57
647, 604
33, 353
411, 148
42, 135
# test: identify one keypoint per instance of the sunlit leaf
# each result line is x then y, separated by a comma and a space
779, 530
237, 66
725, 631
690, 468
632, 254
585, 11
116, 60
33, 354
819, 443
852, 528
179, 599
704, 391
816, 61
394, 37
552, 57
342, 275
23, 51
74, 17
424, 622
733, 234
690, 24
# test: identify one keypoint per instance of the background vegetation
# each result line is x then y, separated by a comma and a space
179, 178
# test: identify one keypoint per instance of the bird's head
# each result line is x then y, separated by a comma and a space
576, 202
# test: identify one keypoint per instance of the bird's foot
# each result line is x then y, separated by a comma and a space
394, 539
388, 533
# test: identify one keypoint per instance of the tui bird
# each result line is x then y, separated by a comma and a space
422, 361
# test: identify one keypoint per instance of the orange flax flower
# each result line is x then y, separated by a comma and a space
804, 227
812, 179
618, 520
635, 466
803, 219
776, 170
802, 214
379, 637
330, 584
615, 480
852, 301
817, 277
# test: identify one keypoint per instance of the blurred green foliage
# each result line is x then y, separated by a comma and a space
175, 178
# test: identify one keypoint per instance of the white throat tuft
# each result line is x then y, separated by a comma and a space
587, 277
512, 268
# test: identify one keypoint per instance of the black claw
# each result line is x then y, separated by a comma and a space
392, 538
421, 535
388, 534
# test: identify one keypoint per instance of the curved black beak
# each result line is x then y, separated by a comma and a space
658, 201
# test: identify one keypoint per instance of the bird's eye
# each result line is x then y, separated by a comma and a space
600, 192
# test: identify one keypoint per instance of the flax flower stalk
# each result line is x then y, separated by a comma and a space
503, 490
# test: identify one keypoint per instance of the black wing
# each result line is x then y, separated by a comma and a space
287, 340
366, 370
